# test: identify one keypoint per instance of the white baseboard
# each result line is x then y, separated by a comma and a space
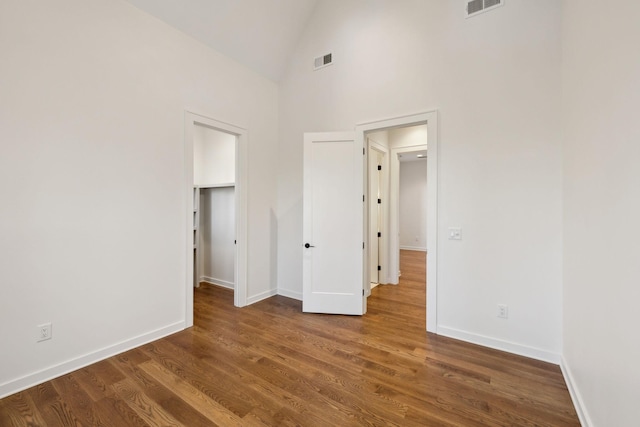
290, 294
218, 282
498, 344
30, 380
578, 403
413, 248
259, 297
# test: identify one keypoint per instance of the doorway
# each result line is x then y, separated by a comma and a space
424, 124
215, 177
378, 186
412, 201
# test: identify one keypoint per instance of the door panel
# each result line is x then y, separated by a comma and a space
333, 224
375, 214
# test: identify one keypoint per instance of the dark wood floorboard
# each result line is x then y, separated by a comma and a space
271, 365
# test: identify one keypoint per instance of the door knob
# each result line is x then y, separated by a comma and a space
306, 245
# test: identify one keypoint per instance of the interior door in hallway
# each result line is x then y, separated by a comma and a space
375, 214
333, 213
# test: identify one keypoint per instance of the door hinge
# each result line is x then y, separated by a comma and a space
362, 245
379, 167
379, 234
363, 151
379, 268
379, 201
363, 292
363, 197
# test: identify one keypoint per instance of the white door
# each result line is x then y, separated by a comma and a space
375, 163
333, 212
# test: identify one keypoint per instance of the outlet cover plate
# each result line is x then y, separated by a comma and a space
44, 332
503, 311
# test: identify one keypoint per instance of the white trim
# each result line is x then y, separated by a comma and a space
413, 248
39, 377
217, 282
290, 294
429, 118
576, 397
262, 295
242, 138
498, 344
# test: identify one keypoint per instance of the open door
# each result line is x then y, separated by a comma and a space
333, 213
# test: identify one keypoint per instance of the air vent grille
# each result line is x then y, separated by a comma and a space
475, 7
322, 61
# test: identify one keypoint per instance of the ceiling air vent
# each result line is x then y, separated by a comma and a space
322, 61
475, 7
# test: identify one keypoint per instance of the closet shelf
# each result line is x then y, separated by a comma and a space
225, 184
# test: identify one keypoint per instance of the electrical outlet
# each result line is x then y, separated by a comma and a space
44, 332
503, 311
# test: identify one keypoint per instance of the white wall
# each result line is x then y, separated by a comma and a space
218, 234
408, 136
413, 205
380, 137
601, 66
214, 157
92, 218
495, 80
413, 188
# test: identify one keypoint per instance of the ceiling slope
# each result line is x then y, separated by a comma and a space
260, 34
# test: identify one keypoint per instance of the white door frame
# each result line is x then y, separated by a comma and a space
240, 292
431, 120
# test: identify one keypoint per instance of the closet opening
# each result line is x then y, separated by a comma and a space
215, 178
214, 252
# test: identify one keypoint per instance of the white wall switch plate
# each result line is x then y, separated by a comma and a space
455, 233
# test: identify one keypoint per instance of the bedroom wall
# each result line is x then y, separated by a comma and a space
601, 66
495, 80
92, 218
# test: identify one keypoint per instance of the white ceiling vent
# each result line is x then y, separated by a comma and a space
322, 61
476, 7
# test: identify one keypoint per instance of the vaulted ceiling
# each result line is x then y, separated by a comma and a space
260, 34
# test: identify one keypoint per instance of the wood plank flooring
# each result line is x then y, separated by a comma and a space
270, 365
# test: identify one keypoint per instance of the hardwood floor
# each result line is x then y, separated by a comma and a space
270, 365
